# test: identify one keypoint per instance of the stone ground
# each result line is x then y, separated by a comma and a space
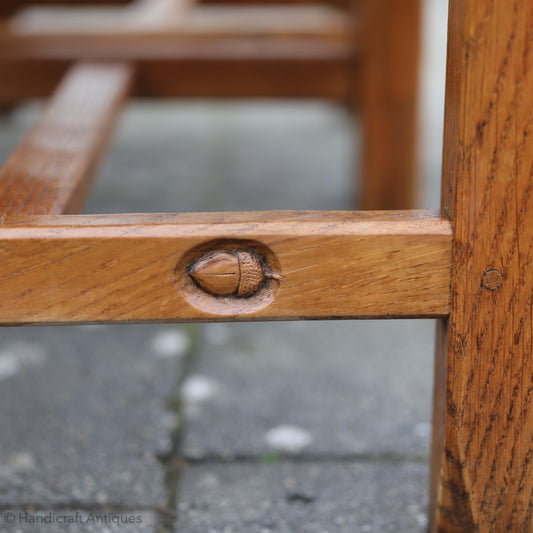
224, 428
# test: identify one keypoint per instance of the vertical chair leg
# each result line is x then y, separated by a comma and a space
482, 467
390, 43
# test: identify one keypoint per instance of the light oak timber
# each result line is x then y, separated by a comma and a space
146, 7
228, 54
129, 268
51, 170
389, 79
7, 7
482, 468
154, 13
341, 3
285, 72
48, 25
22, 3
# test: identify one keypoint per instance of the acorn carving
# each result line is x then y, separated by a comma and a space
236, 273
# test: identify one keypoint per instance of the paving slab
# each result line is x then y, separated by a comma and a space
353, 387
303, 497
80, 521
85, 414
209, 156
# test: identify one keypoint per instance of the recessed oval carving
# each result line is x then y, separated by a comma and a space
228, 277
239, 273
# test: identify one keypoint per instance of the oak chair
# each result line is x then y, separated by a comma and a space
469, 264
362, 54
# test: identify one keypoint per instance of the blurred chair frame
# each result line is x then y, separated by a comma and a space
470, 264
362, 54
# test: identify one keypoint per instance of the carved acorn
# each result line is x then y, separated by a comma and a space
236, 273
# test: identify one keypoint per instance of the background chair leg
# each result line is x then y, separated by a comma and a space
482, 468
390, 56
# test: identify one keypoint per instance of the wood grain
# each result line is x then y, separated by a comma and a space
482, 472
133, 268
390, 54
51, 170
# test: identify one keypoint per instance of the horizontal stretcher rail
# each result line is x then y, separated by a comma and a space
180, 20
227, 266
51, 170
10, 6
209, 55
241, 69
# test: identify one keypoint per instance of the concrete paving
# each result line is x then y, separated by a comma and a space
228, 157
86, 414
80, 521
356, 388
303, 497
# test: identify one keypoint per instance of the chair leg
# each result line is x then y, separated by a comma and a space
482, 464
390, 56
